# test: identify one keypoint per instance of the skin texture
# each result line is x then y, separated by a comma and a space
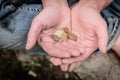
90, 34
51, 18
90, 29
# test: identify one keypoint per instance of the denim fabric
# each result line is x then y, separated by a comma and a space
15, 21
16, 17
112, 16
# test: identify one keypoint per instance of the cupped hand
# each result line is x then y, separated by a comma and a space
50, 19
91, 30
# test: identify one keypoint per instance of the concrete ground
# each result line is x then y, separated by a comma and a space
101, 67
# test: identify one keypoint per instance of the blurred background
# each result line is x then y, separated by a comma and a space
20, 66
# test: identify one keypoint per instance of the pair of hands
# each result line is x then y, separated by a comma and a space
84, 21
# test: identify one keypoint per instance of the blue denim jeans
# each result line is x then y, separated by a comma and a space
16, 17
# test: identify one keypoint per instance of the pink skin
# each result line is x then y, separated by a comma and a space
51, 18
91, 31
57, 15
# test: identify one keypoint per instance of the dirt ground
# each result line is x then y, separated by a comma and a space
17, 66
28, 67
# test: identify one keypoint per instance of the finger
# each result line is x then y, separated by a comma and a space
45, 39
54, 49
33, 34
78, 45
102, 37
78, 64
93, 55
56, 61
78, 59
70, 60
72, 66
64, 67
72, 48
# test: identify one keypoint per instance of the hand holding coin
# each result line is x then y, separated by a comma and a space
64, 35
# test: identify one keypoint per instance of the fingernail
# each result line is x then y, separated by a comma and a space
104, 51
65, 68
27, 45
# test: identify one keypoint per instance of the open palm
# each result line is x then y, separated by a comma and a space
91, 31
45, 24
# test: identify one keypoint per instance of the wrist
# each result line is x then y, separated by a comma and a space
47, 3
96, 4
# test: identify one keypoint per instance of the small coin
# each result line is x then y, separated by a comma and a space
66, 30
55, 38
72, 36
64, 35
59, 32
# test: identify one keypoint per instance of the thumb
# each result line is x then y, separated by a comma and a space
102, 35
33, 34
